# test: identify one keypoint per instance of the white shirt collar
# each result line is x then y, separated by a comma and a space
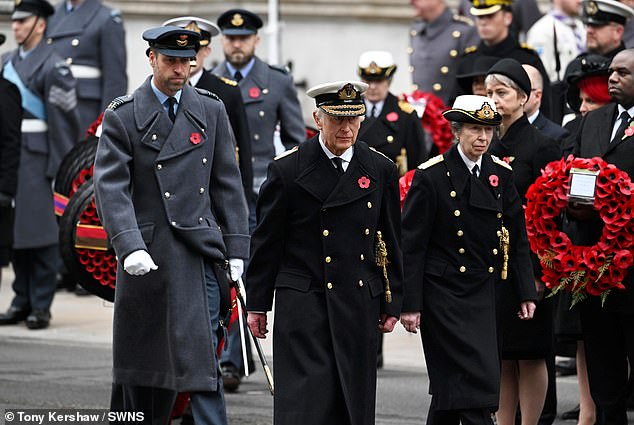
468, 162
532, 118
346, 156
195, 78
621, 109
368, 107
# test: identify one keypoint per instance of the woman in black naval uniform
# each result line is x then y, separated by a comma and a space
459, 215
525, 345
391, 125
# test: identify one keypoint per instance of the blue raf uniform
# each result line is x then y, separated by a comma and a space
50, 128
91, 38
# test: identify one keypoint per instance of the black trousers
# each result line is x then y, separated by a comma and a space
457, 417
609, 343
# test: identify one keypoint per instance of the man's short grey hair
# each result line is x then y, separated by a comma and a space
503, 79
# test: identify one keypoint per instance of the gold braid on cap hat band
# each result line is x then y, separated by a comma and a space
489, 3
344, 110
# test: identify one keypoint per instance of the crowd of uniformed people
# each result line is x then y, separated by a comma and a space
205, 177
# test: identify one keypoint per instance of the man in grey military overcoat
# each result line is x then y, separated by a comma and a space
271, 104
50, 128
170, 197
91, 38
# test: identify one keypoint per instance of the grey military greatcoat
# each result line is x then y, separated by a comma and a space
175, 191
45, 141
269, 98
434, 52
92, 41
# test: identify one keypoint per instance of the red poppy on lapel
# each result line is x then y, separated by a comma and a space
254, 92
493, 180
629, 131
195, 138
364, 182
392, 117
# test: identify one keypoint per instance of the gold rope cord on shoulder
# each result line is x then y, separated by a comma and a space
505, 242
382, 262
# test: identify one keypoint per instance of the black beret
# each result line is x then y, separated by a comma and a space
514, 70
239, 22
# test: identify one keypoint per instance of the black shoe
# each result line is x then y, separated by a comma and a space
13, 316
38, 319
230, 378
571, 415
566, 367
80, 291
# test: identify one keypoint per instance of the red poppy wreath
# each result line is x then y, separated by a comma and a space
432, 120
582, 270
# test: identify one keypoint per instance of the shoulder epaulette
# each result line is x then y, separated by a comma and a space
470, 49
381, 153
287, 153
281, 69
115, 14
207, 93
228, 81
463, 19
62, 67
405, 106
119, 101
431, 162
526, 47
498, 161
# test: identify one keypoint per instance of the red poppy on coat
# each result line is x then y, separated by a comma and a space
392, 117
364, 182
195, 138
254, 92
493, 180
629, 131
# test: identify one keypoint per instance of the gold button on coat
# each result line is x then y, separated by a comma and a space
75, 42
202, 190
369, 204
154, 137
328, 259
455, 34
461, 250
463, 269
360, 284
390, 139
460, 233
361, 257
491, 269
444, 69
499, 215
167, 195
325, 233
495, 251
329, 285
453, 53
159, 166
452, 193
366, 231
437, 87
456, 213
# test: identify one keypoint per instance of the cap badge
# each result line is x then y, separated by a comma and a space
373, 68
193, 26
237, 20
347, 92
182, 41
592, 8
484, 113
17, 2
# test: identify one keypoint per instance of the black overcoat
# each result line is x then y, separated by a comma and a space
452, 258
314, 247
397, 127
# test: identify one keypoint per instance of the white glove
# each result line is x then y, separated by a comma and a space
139, 263
236, 268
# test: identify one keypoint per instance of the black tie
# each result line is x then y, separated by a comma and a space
625, 121
475, 170
373, 110
338, 164
237, 76
171, 101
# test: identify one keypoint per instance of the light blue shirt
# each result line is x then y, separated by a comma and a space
244, 70
162, 97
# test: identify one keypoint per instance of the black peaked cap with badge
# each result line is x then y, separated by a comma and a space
376, 65
473, 109
205, 28
25, 8
340, 98
602, 12
173, 41
513, 70
239, 22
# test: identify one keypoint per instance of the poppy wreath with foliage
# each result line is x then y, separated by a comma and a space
582, 270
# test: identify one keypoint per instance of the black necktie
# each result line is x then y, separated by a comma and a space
338, 164
475, 170
625, 121
373, 110
171, 101
237, 76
